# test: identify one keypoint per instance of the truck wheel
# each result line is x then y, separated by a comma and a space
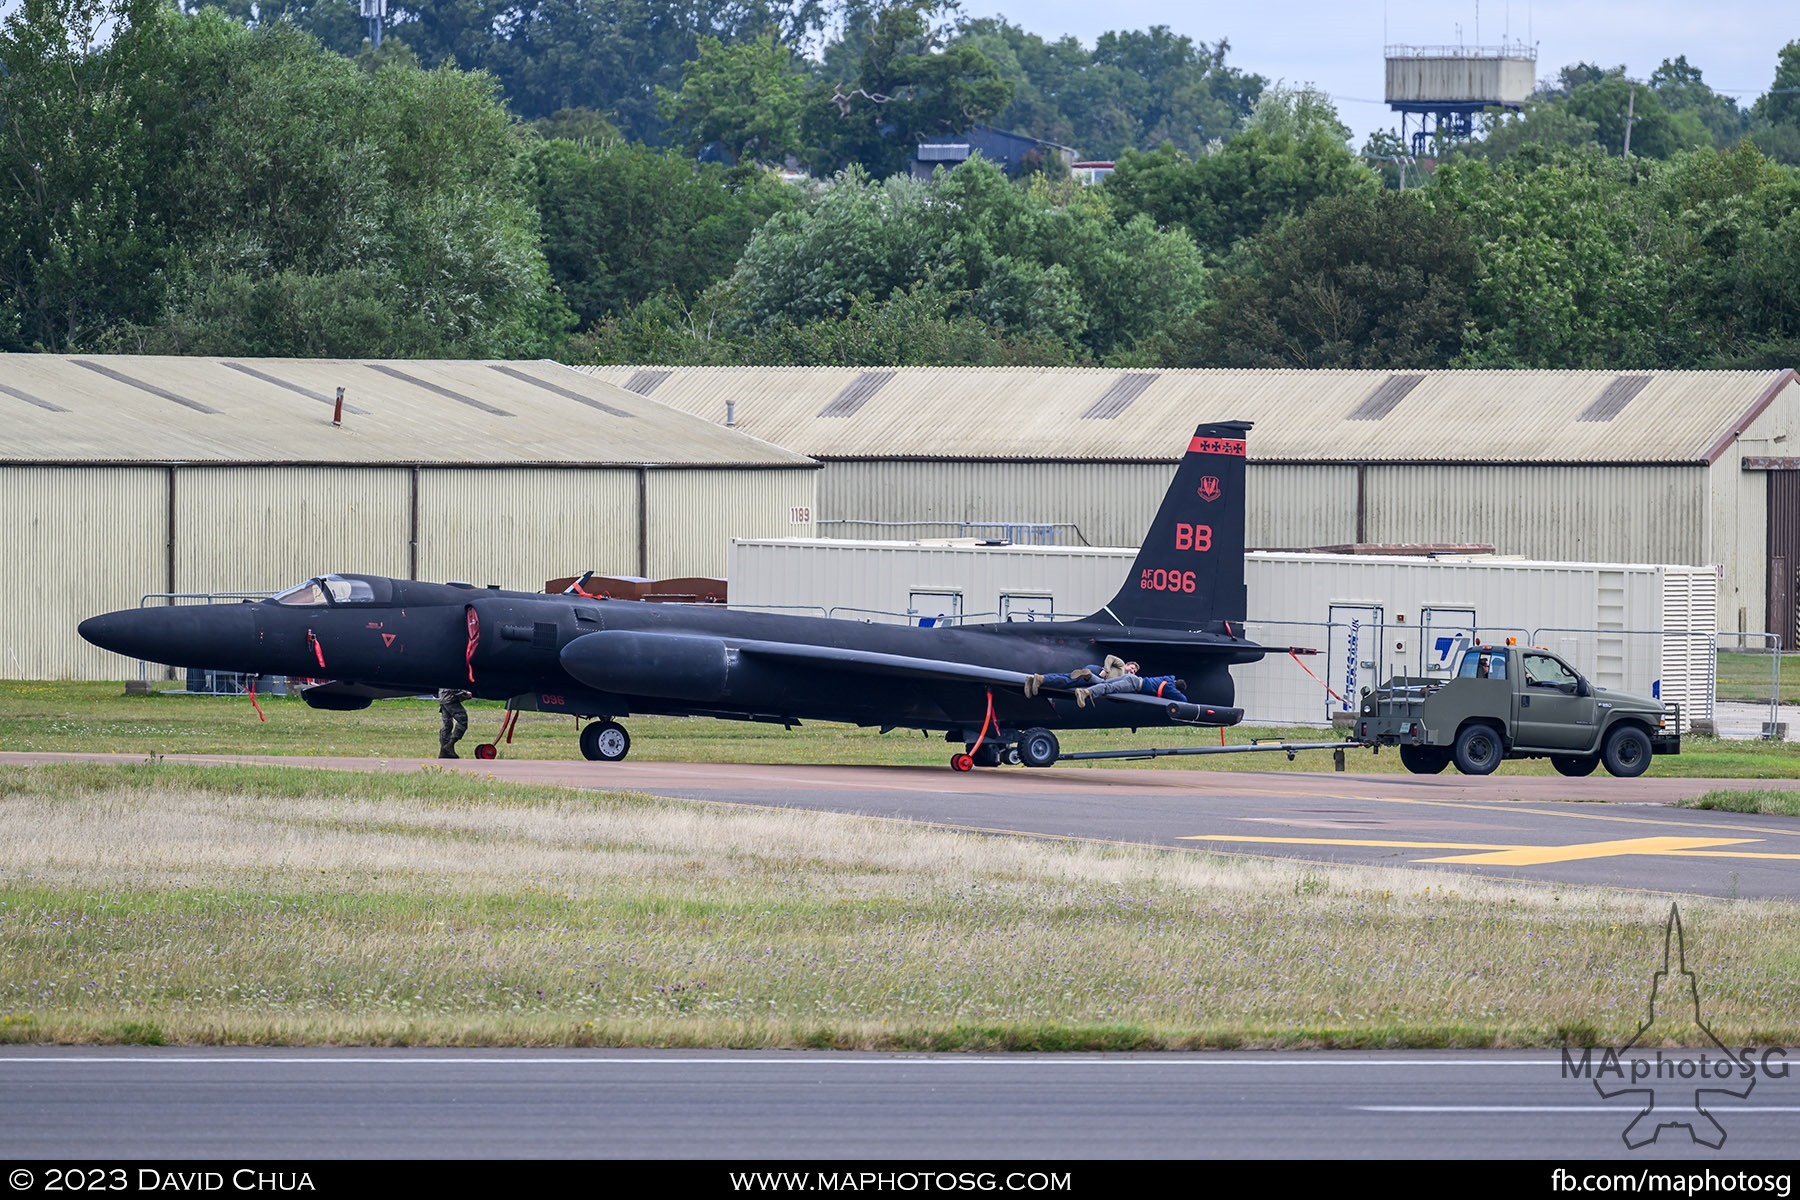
1627, 752
1574, 765
1423, 760
1478, 750
1038, 747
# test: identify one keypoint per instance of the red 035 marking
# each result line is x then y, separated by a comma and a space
1159, 580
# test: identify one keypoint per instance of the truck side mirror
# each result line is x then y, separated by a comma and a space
1581, 686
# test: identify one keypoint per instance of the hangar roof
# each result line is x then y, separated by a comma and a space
132, 409
1089, 413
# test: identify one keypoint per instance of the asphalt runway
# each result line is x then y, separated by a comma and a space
123, 1103
1597, 831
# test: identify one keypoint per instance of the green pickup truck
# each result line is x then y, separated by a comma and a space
1515, 702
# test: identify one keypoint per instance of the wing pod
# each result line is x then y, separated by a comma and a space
674, 666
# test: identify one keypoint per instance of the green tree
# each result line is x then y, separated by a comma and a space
1362, 279
908, 86
1614, 103
1733, 249
1571, 267
1780, 105
551, 55
1685, 93
622, 222
1136, 89
338, 24
1291, 154
1775, 117
80, 245
745, 98
1038, 262
229, 190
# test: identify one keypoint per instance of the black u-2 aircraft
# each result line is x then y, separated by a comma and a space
1180, 612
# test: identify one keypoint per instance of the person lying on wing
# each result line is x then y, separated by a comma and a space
1111, 669
1116, 675
1163, 687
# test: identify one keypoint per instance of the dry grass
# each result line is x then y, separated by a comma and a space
258, 905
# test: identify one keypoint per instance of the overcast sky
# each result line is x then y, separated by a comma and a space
1337, 44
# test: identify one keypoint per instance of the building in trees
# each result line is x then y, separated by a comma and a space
1014, 153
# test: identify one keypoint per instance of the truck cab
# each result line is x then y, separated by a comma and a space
1511, 701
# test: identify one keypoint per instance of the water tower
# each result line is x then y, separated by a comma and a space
1445, 86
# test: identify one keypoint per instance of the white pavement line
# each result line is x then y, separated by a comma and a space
799, 1059
1724, 1109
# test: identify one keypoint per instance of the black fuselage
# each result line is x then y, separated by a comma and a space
416, 637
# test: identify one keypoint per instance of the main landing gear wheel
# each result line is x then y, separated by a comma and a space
487, 750
605, 741
1038, 748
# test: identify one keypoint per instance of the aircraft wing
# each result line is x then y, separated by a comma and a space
907, 666
1131, 647
877, 663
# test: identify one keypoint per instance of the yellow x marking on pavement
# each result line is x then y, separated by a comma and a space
1526, 856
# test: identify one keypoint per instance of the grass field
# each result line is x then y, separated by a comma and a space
1753, 677
101, 718
157, 902
161, 903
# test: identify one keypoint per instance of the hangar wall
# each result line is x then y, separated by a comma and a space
244, 528
518, 526
91, 539
76, 542
693, 514
1585, 513
1582, 513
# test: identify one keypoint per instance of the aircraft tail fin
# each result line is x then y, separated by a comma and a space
1190, 572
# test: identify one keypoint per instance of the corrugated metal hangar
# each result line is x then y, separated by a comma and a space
121, 476
1692, 467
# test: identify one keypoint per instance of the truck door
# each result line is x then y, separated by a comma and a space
1552, 715
1443, 634
1354, 654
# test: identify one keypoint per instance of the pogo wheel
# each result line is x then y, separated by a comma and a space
487, 750
962, 762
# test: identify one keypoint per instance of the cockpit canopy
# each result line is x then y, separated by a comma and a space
330, 591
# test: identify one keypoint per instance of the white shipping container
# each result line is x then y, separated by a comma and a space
1642, 628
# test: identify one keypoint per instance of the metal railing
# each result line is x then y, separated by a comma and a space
1019, 533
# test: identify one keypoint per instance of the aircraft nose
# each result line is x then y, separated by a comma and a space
213, 636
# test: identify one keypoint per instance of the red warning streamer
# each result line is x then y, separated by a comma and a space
1321, 682
987, 723
253, 703
474, 639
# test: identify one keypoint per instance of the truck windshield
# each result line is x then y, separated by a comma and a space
1543, 671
